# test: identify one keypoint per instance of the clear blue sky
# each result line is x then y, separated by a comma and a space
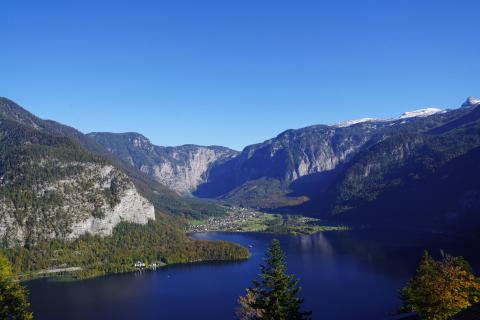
234, 72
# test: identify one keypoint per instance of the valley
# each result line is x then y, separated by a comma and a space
67, 196
247, 160
76, 206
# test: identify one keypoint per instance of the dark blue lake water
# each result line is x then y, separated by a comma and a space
344, 275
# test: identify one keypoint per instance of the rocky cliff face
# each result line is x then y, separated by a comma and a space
122, 203
180, 168
87, 198
190, 167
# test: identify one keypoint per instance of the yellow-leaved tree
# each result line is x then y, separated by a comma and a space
441, 288
13, 297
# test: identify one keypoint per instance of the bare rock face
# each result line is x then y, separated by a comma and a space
132, 208
89, 198
290, 156
189, 169
180, 168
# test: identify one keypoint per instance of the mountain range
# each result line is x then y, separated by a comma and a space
57, 183
368, 170
420, 169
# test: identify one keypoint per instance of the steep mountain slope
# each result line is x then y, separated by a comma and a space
429, 178
302, 170
297, 163
180, 168
67, 202
164, 199
351, 171
51, 188
11, 110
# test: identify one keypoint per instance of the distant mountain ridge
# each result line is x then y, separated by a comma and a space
58, 183
313, 150
428, 179
316, 170
345, 171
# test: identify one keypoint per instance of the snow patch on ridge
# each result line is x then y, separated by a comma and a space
355, 121
421, 113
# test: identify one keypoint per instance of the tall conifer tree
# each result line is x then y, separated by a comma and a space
275, 296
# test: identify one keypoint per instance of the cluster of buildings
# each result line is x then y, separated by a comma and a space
234, 216
153, 266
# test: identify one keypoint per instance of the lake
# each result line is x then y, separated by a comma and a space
344, 275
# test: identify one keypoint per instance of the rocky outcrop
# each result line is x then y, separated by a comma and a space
471, 102
190, 166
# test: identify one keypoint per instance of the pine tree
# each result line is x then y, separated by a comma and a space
13, 298
440, 289
275, 296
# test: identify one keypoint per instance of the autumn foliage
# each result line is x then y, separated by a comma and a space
441, 288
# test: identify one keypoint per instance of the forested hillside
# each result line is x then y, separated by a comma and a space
67, 203
429, 179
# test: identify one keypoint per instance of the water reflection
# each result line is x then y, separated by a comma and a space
318, 242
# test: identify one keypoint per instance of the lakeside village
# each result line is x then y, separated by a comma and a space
235, 217
240, 219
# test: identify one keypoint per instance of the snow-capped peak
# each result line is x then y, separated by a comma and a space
420, 113
352, 122
471, 102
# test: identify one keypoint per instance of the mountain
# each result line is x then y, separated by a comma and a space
93, 191
299, 164
52, 188
163, 198
471, 102
180, 168
346, 171
65, 201
420, 113
430, 180
420, 170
